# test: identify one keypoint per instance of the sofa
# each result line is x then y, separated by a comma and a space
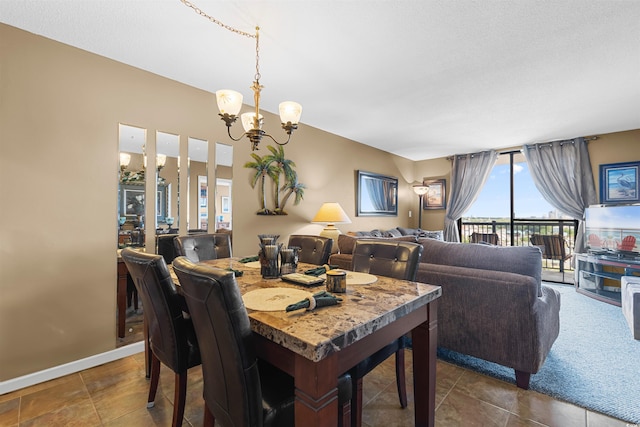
346, 242
493, 304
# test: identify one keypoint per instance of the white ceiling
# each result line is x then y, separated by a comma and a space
422, 79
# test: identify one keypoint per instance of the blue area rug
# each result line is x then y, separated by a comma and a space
594, 363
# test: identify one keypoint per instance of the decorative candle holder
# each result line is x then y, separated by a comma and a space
289, 260
268, 256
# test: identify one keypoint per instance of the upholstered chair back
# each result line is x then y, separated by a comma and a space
391, 259
171, 336
166, 247
313, 249
202, 247
232, 387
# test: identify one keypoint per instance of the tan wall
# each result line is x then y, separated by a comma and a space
59, 113
613, 148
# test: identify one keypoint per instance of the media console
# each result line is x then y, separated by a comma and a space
598, 275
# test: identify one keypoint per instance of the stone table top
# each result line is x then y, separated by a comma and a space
318, 333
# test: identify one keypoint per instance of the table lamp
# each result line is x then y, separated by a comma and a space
331, 213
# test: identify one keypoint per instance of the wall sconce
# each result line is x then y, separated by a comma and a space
420, 190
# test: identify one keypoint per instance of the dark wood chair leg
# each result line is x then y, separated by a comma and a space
522, 379
356, 403
209, 419
147, 350
179, 398
344, 414
401, 381
155, 377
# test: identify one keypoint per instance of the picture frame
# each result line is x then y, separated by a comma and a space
132, 201
619, 183
436, 197
225, 206
377, 194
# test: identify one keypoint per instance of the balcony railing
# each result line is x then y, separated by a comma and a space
518, 233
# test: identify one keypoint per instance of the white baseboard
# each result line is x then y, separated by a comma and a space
70, 368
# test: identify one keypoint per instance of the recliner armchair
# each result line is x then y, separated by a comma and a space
313, 249
202, 247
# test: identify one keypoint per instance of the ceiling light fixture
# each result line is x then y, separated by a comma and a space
230, 102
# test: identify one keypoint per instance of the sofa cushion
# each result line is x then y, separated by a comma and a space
525, 260
436, 234
346, 242
409, 231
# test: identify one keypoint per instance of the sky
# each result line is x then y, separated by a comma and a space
493, 200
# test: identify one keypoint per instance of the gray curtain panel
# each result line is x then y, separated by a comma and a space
561, 171
468, 175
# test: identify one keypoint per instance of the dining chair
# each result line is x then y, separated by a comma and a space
239, 389
398, 260
166, 247
486, 238
171, 338
202, 247
313, 249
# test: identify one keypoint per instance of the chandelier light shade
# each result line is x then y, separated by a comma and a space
331, 213
230, 102
125, 159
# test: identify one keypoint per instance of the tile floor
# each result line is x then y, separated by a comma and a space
115, 394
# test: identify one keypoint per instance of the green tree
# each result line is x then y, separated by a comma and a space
284, 167
263, 169
292, 187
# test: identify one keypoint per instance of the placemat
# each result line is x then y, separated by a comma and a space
357, 278
273, 299
252, 264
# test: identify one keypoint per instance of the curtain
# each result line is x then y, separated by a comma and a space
561, 171
377, 194
468, 175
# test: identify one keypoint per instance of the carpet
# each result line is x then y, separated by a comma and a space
594, 363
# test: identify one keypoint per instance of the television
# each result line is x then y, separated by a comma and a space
613, 229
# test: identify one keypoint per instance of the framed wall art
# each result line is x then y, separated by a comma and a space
619, 183
377, 194
436, 197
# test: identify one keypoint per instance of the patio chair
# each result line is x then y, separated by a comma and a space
487, 238
554, 247
628, 243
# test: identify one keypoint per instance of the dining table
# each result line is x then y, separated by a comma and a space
316, 346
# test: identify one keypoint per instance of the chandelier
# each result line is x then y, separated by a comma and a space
230, 102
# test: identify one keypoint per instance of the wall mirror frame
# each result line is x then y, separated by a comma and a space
377, 194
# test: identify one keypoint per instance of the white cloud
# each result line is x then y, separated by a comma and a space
517, 168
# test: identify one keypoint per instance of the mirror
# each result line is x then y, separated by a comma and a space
131, 194
223, 194
198, 198
168, 183
130, 213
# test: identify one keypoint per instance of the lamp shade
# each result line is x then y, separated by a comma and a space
161, 160
290, 112
229, 101
420, 189
331, 213
247, 121
125, 159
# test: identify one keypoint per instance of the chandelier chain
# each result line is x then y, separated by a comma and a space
215, 21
